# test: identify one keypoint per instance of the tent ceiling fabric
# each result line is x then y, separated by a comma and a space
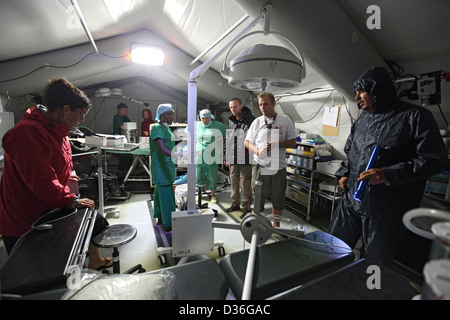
181, 25
332, 34
413, 33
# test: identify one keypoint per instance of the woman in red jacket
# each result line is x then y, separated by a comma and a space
38, 164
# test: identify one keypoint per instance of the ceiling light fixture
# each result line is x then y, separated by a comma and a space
147, 54
265, 67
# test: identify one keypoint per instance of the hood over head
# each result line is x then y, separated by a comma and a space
149, 112
377, 82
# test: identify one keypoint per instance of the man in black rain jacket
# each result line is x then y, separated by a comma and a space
238, 157
411, 150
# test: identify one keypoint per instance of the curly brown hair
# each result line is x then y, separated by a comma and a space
60, 92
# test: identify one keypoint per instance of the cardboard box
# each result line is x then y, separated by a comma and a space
328, 167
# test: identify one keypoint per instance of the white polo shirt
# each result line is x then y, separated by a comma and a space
259, 134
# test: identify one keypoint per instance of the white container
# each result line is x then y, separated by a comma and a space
115, 141
130, 125
95, 140
144, 142
105, 140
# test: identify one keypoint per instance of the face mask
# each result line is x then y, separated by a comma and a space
163, 121
206, 125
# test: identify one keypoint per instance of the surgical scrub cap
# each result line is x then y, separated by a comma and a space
163, 108
206, 113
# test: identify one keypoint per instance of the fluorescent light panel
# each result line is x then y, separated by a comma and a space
147, 54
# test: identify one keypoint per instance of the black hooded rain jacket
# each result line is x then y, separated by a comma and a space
412, 150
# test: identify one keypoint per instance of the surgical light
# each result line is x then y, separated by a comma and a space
265, 67
147, 54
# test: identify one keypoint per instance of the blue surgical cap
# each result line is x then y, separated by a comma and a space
206, 113
163, 108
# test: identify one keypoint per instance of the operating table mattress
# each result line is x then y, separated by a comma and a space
286, 264
356, 281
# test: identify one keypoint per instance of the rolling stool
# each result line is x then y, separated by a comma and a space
114, 236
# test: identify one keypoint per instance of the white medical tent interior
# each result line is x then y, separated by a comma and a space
337, 39
88, 42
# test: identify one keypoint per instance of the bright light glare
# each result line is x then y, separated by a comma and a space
175, 10
148, 55
117, 8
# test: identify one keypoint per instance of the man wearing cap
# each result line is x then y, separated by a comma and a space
162, 167
209, 138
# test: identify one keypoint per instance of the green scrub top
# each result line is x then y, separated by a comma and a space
205, 137
118, 122
162, 166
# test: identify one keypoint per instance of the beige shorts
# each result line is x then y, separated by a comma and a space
274, 185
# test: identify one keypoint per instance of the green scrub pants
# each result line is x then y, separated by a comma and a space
207, 174
164, 204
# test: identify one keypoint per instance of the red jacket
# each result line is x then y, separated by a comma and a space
37, 167
145, 125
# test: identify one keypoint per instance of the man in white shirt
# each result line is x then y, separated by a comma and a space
268, 137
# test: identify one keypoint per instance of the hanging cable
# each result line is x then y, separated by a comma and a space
315, 115
59, 67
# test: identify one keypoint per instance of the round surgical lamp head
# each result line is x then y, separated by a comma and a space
265, 68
